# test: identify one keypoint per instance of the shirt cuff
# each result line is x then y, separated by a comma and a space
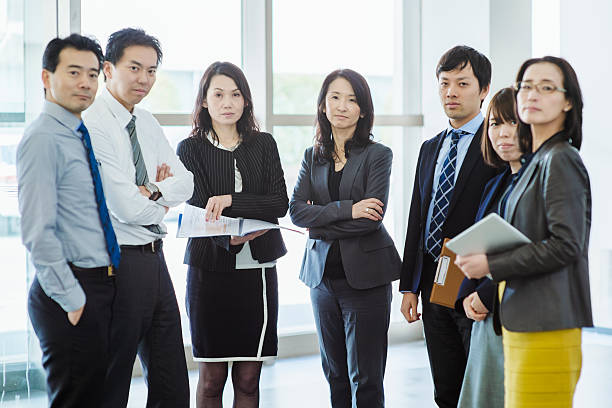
73, 300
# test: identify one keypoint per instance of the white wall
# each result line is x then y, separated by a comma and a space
586, 34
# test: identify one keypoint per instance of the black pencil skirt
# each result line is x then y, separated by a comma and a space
233, 315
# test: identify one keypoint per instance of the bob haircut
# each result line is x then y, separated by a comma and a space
324, 143
202, 122
573, 118
502, 109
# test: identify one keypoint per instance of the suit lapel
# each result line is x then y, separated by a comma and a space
491, 193
471, 158
349, 173
519, 189
320, 175
429, 168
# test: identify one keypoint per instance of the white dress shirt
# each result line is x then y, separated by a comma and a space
244, 258
106, 120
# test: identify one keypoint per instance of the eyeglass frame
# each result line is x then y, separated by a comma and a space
517, 87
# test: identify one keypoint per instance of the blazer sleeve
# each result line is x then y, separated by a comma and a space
274, 203
377, 186
306, 215
566, 197
413, 232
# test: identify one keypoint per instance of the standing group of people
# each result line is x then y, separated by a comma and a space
97, 176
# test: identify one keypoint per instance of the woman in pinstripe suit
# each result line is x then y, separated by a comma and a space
232, 291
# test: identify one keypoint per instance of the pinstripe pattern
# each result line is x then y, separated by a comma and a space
263, 196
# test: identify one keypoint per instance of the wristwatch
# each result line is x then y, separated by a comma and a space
155, 193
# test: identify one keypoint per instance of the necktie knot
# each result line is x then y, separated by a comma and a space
456, 135
132, 124
82, 129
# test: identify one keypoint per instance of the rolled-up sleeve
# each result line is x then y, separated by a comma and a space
37, 177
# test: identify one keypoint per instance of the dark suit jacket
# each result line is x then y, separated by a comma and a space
369, 256
263, 196
547, 281
473, 176
484, 286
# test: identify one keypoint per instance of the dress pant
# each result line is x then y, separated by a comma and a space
352, 325
146, 322
75, 358
447, 336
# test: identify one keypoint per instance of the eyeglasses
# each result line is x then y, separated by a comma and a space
543, 88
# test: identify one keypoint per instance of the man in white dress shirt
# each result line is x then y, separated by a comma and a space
142, 178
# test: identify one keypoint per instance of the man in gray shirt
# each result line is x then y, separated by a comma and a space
66, 228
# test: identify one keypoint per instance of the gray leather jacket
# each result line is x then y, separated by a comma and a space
547, 281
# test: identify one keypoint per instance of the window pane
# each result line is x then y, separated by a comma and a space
12, 95
207, 31
361, 35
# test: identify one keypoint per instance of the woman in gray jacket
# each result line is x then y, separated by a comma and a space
544, 285
350, 259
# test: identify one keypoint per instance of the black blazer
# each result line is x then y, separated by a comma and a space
472, 178
547, 281
368, 253
263, 196
484, 286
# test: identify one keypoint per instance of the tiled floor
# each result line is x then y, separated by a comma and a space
299, 382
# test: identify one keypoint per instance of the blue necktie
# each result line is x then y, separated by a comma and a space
112, 245
446, 184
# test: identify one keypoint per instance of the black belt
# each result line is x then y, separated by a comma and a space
108, 270
151, 247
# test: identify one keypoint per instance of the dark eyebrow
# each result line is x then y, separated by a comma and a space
75, 66
336, 92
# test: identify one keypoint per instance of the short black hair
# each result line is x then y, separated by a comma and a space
81, 43
459, 56
127, 37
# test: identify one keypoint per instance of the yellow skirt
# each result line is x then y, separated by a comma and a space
541, 369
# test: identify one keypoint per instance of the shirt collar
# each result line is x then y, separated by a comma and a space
469, 128
62, 115
117, 109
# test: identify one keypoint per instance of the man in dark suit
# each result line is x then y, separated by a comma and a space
449, 180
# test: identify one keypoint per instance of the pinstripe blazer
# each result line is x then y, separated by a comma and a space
263, 196
368, 253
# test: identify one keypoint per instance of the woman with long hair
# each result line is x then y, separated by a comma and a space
483, 382
350, 259
232, 289
544, 285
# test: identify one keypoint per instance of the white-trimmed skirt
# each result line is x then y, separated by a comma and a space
233, 315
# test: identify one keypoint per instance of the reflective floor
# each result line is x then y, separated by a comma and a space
299, 383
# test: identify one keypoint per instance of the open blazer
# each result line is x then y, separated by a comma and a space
368, 254
547, 281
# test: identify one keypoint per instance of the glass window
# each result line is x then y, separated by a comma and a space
192, 33
330, 35
12, 97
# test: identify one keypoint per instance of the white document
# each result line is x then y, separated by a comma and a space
489, 235
192, 223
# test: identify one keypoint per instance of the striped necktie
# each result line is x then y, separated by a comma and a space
112, 246
141, 170
446, 184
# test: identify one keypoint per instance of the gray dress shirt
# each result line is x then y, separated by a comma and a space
60, 222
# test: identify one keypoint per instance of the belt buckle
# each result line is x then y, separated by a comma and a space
110, 270
153, 246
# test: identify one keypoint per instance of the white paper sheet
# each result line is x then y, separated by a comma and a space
192, 223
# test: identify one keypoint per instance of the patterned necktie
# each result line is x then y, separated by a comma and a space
141, 171
109, 233
446, 184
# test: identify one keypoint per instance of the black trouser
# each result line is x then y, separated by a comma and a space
75, 358
352, 325
447, 335
146, 322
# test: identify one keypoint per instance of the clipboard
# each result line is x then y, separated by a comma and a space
447, 280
